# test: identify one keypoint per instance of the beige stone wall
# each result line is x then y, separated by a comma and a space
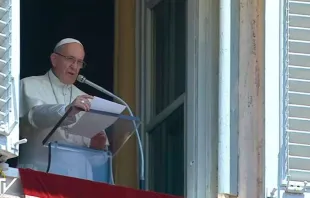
251, 99
125, 163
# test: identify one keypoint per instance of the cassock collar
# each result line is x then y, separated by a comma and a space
55, 80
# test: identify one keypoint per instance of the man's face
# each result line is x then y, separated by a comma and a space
68, 61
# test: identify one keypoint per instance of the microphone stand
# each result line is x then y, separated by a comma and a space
82, 79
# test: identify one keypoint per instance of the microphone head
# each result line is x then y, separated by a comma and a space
81, 79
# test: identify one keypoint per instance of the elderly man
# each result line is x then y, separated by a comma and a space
45, 99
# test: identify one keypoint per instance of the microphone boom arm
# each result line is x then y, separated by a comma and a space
82, 79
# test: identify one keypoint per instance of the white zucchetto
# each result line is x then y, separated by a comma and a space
66, 41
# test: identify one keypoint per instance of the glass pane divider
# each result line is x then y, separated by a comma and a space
155, 121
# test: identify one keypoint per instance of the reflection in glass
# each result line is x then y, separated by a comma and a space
169, 20
167, 154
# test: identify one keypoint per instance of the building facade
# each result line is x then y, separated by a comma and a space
196, 76
194, 71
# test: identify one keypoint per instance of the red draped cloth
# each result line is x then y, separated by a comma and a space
46, 185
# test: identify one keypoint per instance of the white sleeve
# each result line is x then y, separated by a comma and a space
46, 116
79, 140
36, 113
86, 141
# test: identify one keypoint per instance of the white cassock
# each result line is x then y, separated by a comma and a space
42, 104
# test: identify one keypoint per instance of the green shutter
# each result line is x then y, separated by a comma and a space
9, 75
296, 91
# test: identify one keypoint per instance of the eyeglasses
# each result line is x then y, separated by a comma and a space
72, 60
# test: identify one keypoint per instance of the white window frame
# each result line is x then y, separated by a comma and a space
273, 76
201, 96
146, 81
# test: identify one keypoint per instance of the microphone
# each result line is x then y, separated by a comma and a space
82, 79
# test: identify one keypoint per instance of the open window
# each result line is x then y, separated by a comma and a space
164, 95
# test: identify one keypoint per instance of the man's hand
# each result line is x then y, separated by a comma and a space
99, 141
80, 103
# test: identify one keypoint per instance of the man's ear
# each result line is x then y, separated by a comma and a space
53, 59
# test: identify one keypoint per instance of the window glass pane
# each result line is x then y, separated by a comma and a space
169, 52
167, 154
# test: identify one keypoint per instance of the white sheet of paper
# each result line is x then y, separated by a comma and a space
92, 123
100, 104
